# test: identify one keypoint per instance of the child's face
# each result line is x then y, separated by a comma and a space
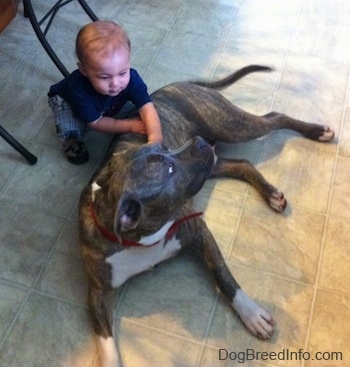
110, 74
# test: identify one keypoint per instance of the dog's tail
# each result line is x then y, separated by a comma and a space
229, 80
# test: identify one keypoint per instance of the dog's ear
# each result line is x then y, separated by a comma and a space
128, 214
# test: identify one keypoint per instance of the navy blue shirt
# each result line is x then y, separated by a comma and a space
89, 105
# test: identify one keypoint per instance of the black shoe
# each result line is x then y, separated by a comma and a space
76, 153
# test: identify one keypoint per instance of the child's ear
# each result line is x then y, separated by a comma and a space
82, 69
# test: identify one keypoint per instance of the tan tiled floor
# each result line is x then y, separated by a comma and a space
295, 264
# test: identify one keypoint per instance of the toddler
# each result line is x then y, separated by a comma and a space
92, 96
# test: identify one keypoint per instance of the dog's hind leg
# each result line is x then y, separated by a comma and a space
236, 126
243, 170
256, 319
311, 131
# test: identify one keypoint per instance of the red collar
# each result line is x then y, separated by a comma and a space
116, 238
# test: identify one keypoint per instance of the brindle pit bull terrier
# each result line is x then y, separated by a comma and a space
136, 212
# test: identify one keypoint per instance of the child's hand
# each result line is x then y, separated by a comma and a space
138, 127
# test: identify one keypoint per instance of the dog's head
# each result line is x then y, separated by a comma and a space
150, 184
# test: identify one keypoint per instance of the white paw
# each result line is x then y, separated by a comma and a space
107, 352
256, 319
328, 135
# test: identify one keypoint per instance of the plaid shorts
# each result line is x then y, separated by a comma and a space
67, 126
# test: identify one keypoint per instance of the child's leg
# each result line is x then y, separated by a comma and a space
70, 130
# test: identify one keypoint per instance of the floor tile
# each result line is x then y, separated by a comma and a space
287, 245
145, 41
251, 8
333, 12
8, 164
334, 275
222, 220
192, 18
328, 40
314, 79
11, 299
180, 46
329, 333
295, 171
64, 275
57, 329
344, 142
340, 198
19, 118
53, 184
149, 13
11, 55
149, 348
27, 237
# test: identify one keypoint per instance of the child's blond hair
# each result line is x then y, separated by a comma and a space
100, 37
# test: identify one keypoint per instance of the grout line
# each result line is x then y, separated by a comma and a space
284, 62
31, 289
159, 330
9, 329
164, 37
10, 178
234, 21
206, 333
271, 274
24, 303
53, 296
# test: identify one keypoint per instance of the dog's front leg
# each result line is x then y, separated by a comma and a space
101, 310
255, 318
243, 170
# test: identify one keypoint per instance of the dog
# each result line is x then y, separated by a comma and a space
136, 210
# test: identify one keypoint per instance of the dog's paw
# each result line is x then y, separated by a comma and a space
107, 354
274, 198
320, 133
258, 321
326, 135
277, 201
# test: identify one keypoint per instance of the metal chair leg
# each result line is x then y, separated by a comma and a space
30, 13
88, 10
16, 145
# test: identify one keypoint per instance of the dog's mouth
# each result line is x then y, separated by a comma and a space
205, 153
209, 160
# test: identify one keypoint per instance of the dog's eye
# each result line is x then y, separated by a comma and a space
171, 169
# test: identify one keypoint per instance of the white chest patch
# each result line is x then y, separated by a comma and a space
94, 187
135, 260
